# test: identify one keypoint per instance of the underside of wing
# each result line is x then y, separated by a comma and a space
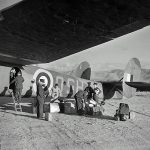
9, 60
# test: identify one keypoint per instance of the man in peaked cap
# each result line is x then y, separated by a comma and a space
40, 98
89, 90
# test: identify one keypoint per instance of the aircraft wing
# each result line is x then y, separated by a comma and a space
42, 44
140, 86
10, 60
109, 88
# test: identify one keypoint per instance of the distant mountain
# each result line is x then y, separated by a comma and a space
113, 75
117, 74
145, 75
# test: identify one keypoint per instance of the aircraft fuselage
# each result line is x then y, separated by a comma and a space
31, 74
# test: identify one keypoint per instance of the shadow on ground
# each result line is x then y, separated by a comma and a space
27, 108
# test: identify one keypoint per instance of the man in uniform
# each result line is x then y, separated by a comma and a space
40, 98
18, 82
90, 91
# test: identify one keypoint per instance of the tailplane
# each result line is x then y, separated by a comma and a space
83, 70
132, 73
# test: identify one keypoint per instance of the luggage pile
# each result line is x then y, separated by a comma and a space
70, 106
94, 109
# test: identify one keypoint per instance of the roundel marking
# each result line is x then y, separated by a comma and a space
43, 74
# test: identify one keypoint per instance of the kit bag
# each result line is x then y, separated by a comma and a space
124, 109
123, 112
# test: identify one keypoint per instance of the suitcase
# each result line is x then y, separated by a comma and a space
70, 107
51, 107
124, 109
95, 111
46, 107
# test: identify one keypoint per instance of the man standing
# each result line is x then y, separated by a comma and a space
40, 98
80, 98
18, 82
90, 91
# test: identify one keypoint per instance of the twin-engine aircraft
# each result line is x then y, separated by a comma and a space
77, 80
69, 84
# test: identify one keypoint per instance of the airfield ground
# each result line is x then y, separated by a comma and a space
23, 131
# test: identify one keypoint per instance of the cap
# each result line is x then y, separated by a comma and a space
42, 80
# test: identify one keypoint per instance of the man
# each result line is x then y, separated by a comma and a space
96, 95
18, 82
40, 98
12, 77
90, 91
80, 98
55, 93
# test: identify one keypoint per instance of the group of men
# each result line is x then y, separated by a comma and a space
88, 100
89, 95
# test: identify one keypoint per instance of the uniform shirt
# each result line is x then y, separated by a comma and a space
55, 92
18, 82
40, 91
90, 92
96, 95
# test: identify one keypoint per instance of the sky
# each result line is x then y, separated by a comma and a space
113, 54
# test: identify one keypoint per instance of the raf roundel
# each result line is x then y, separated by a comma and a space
45, 75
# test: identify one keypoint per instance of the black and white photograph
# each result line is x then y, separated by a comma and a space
74, 74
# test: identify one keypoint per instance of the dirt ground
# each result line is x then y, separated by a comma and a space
23, 131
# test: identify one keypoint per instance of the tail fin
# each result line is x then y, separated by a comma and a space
132, 73
82, 71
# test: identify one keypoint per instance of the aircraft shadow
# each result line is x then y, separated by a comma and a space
16, 114
105, 117
26, 109
4, 91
